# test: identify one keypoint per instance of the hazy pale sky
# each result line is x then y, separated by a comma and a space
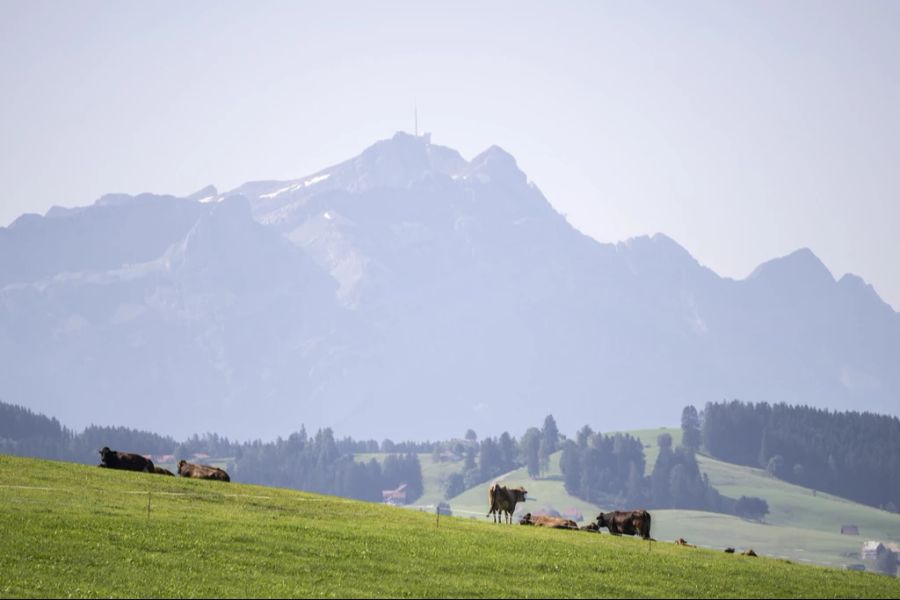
742, 130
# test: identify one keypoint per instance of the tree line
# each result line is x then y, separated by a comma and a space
854, 455
849, 454
318, 463
486, 460
609, 470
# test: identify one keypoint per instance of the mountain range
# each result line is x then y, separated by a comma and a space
412, 294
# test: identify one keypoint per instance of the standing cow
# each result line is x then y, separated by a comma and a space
503, 500
186, 469
111, 459
634, 522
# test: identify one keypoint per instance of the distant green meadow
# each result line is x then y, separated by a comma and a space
76, 531
801, 526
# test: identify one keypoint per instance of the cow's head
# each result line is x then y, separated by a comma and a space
104, 452
601, 520
519, 494
181, 464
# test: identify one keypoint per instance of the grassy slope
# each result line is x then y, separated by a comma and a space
800, 526
82, 533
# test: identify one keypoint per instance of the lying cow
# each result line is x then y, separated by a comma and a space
186, 469
503, 500
111, 459
635, 522
683, 542
551, 522
161, 471
591, 527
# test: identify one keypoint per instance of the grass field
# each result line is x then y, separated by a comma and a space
73, 530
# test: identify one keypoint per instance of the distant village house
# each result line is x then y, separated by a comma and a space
395, 497
872, 550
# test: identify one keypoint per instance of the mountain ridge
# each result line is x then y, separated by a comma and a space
409, 285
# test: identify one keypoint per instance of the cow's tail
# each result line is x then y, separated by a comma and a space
491, 493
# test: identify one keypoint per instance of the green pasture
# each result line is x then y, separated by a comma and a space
801, 526
73, 530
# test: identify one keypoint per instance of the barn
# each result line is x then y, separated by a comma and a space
872, 550
395, 497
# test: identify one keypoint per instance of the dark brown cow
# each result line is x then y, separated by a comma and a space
634, 522
729, 550
591, 527
186, 469
161, 471
503, 500
111, 459
551, 522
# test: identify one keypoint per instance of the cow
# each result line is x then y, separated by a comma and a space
729, 550
160, 471
186, 469
683, 542
749, 552
110, 459
591, 527
551, 522
635, 522
503, 500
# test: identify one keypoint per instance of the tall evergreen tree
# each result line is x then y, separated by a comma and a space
660, 479
551, 434
530, 448
690, 427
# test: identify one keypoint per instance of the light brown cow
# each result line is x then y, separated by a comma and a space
186, 469
503, 500
551, 522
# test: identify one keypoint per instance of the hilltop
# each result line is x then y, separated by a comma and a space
77, 530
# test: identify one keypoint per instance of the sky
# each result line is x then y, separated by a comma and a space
742, 130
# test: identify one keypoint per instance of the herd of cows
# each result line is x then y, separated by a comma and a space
502, 499
503, 502
128, 461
